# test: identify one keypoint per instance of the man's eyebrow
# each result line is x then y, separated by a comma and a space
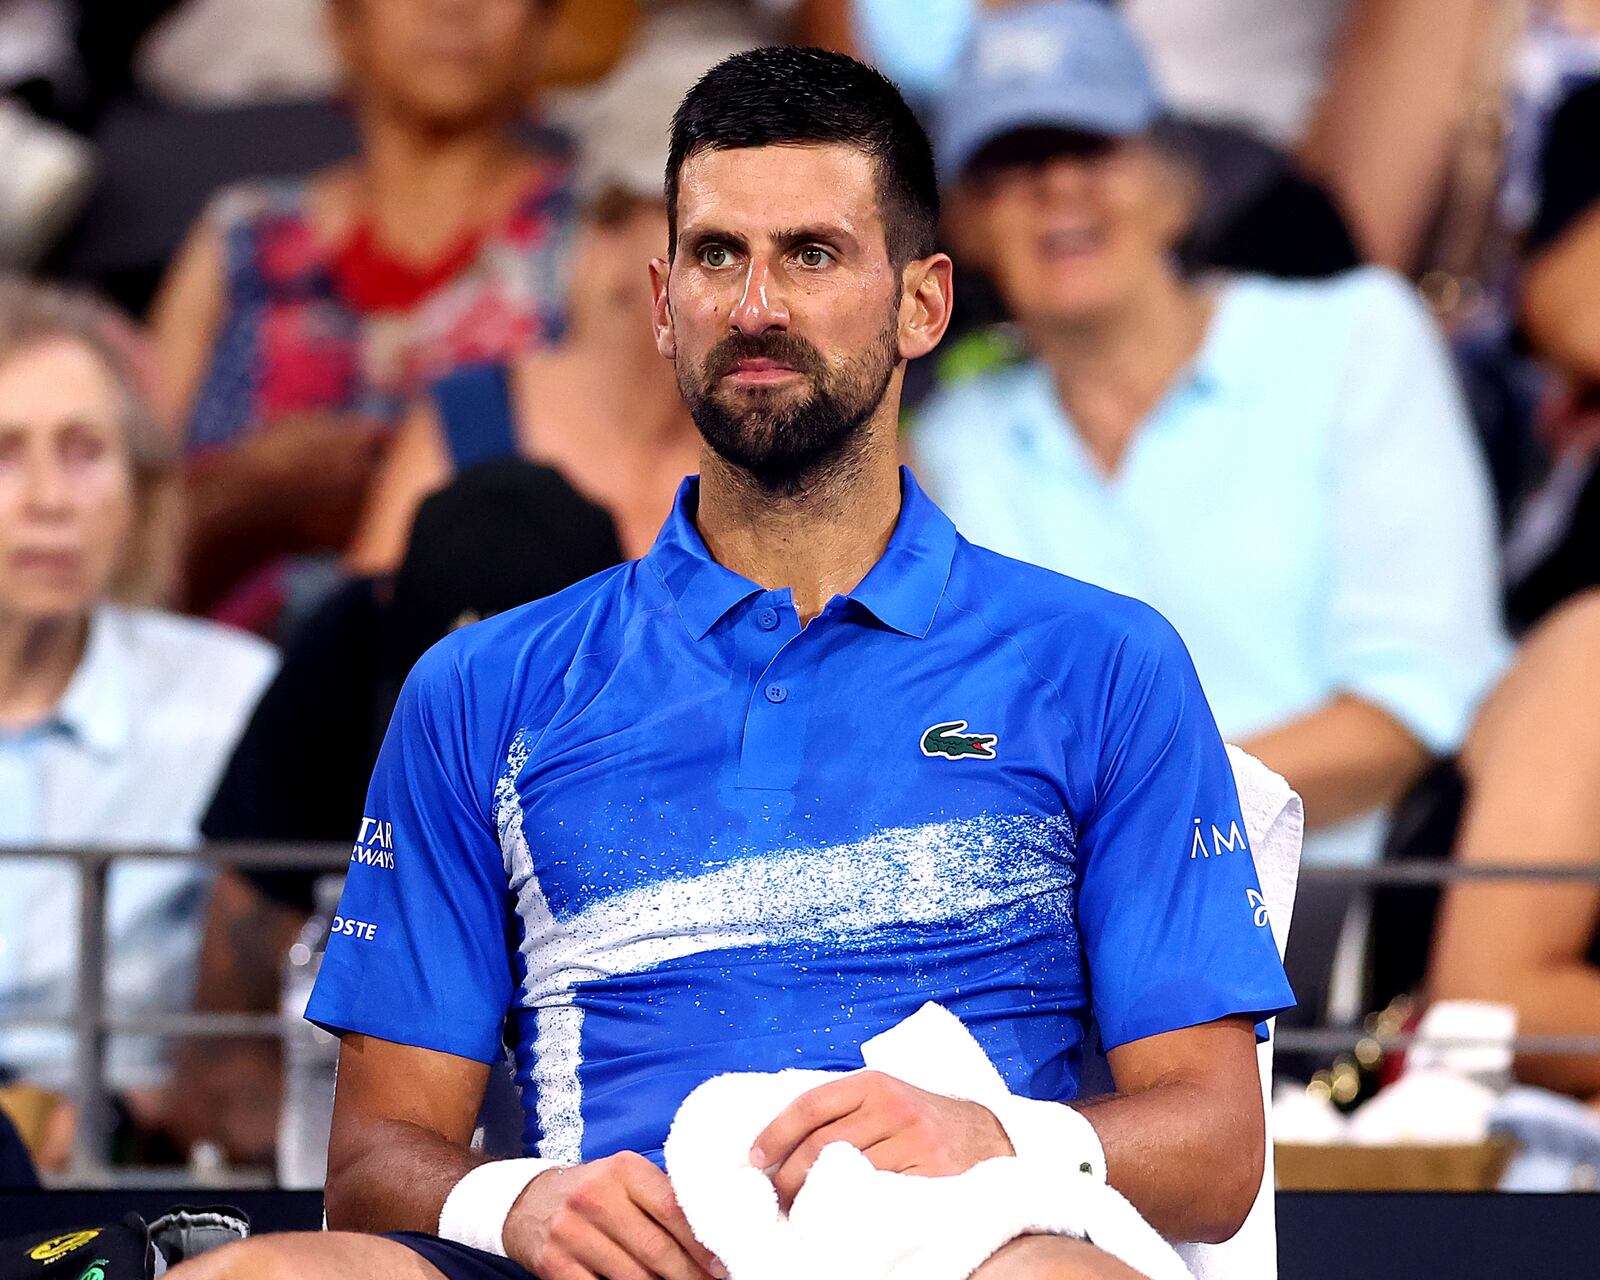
819, 233
693, 239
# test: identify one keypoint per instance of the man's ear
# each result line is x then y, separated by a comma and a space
926, 295
661, 308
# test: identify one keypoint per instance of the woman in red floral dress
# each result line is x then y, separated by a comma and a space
302, 316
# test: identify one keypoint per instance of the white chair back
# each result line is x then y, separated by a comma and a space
1274, 820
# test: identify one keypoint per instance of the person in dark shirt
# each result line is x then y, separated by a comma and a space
16, 1165
504, 533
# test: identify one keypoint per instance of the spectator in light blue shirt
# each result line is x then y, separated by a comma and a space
1286, 471
115, 721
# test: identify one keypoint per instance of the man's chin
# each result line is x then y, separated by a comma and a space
740, 397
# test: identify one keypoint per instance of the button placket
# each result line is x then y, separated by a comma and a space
776, 716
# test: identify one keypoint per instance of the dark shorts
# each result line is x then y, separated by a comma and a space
459, 1261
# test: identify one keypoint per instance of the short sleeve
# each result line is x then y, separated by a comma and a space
419, 952
1415, 624
1170, 911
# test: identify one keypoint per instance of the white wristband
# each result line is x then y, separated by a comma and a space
1051, 1132
477, 1207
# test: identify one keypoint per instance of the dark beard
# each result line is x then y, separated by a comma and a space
785, 444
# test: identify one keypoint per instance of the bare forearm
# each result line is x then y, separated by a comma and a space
1191, 1171
1345, 758
218, 1084
1380, 139
395, 1179
1558, 1000
241, 952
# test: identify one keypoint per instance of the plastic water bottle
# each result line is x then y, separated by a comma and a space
310, 1055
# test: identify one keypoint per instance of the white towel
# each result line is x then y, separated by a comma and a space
858, 1223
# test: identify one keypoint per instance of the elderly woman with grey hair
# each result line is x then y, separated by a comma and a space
115, 718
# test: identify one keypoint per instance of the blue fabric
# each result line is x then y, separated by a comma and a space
1073, 64
654, 830
916, 43
459, 1261
1306, 504
475, 410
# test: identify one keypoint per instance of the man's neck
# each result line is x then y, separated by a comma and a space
1113, 369
820, 542
37, 662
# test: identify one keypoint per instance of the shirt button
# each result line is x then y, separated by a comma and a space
776, 693
767, 619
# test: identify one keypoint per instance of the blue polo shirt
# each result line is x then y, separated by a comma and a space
652, 829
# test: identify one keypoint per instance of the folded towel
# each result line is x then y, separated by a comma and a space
859, 1223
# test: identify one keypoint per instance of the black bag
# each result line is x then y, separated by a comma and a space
131, 1249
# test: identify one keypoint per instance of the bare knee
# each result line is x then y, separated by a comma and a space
306, 1255
310, 1255
259, 1259
1053, 1258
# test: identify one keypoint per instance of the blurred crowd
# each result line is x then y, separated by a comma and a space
325, 332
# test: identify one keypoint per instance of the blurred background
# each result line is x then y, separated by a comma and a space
324, 331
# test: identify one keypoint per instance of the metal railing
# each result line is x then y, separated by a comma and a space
92, 1023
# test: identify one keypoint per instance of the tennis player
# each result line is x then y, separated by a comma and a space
756, 797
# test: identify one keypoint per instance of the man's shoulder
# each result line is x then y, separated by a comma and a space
1336, 308
187, 680
174, 649
533, 645
1055, 619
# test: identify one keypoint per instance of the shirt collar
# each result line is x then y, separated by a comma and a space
1039, 421
902, 590
97, 707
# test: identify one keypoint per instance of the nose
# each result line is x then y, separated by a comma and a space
47, 488
1063, 178
761, 305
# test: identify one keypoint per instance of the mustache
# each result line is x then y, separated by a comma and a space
785, 348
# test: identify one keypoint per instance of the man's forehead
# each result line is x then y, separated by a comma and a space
757, 190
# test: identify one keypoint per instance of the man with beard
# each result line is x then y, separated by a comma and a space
748, 801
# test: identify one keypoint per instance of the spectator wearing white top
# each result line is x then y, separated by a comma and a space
115, 720
1285, 470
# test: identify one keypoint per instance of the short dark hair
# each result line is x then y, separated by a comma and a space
797, 97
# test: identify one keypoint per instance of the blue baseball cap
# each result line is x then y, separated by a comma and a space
1068, 64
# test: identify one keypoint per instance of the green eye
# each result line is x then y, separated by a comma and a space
714, 255
812, 256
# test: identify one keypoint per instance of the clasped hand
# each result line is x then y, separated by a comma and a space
617, 1217
900, 1128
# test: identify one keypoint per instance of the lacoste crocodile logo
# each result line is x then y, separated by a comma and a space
952, 741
